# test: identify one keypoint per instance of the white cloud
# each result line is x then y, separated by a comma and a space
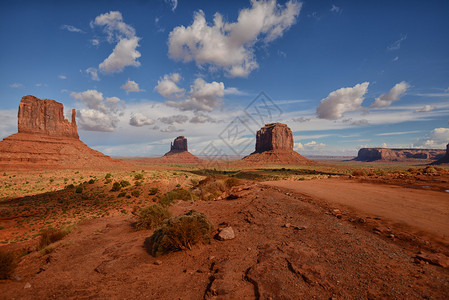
437, 138
71, 28
397, 44
202, 118
16, 85
394, 94
230, 46
301, 119
336, 9
8, 125
234, 91
310, 146
396, 58
38, 84
425, 108
93, 73
397, 133
341, 101
140, 120
203, 96
62, 77
131, 86
102, 113
167, 86
447, 90
95, 42
172, 3
170, 129
174, 119
124, 53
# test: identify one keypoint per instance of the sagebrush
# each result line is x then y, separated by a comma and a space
151, 216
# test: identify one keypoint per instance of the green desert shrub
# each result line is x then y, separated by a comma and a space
232, 181
138, 176
124, 183
108, 176
49, 236
151, 216
176, 194
79, 190
91, 181
153, 191
7, 264
211, 187
358, 173
135, 193
69, 186
179, 233
116, 186
121, 194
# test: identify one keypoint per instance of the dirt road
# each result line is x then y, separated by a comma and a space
421, 209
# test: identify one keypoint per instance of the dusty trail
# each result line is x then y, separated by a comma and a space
424, 210
286, 247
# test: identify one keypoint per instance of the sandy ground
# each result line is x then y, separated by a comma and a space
288, 246
423, 210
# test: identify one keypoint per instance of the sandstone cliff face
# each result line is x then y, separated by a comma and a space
372, 154
274, 144
274, 136
45, 116
179, 144
445, 158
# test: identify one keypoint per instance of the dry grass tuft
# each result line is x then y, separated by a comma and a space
179, 233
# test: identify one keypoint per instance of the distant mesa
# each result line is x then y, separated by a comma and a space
274, 144
178, 153
45, 139
385, 154
445, 158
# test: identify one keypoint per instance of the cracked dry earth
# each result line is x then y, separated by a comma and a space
287, 246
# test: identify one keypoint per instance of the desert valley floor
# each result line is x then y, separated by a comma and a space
300, 232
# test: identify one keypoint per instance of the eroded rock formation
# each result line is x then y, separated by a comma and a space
445, 158
178, 152
372, 154
45, 116
47, 140
274, 144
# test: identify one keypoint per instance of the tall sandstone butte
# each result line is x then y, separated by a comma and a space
445, 158
274, 144
178, 153
46, 140
45, 116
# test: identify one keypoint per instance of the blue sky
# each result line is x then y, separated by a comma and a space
341, 74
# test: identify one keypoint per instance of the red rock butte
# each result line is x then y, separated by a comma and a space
445, 158
178, 153
47, 140
274, 144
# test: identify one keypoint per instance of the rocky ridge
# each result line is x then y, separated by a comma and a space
372, 154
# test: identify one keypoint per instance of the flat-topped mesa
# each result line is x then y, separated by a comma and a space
45, 116
274, 136
386, 154
178, 145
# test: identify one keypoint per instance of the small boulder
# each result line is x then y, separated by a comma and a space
226, 233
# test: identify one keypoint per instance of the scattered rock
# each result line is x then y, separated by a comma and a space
437, 259
158, 262
27, 285
287, 225
226, 233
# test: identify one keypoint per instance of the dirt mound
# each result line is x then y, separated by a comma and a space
274, 144
373, 154
47, 140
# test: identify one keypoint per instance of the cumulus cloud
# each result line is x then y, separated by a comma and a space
170, 129
234, 91
202, 118
341, 101
394, 94
203, 96
124, 53
174, 119
93, 73
437, 138
131, 86
102, 114
425, 108
335, 9
312, 145
167, 86
230, 46
71, 28
95, 42
140, 120
62, 77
